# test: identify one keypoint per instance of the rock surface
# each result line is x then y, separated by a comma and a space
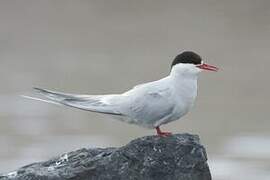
177, 157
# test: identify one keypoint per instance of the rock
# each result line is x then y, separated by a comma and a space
177, 157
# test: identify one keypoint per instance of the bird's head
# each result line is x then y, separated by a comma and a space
189, 63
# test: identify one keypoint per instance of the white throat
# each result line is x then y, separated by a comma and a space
184, 79
185, 71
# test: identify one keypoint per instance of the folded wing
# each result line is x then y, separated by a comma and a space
95, 103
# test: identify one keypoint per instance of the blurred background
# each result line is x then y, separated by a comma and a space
99, 47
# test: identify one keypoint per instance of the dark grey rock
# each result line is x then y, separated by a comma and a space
177, 157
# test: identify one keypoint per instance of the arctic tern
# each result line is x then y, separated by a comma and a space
148, 105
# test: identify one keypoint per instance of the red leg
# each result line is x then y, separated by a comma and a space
162, 134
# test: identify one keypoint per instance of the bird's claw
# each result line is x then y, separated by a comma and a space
162, 134
165, 134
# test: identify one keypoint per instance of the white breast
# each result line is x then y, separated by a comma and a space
184, 82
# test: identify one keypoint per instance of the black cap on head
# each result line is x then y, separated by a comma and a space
187, 57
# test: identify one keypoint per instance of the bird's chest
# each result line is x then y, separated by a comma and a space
185, 95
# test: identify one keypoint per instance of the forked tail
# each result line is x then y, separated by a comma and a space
95, 103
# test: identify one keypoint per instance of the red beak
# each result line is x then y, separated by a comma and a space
207, 67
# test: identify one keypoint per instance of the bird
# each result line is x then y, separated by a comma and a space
148, 105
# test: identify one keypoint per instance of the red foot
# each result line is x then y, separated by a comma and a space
162, 134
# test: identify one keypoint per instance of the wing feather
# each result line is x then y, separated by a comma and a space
95, 103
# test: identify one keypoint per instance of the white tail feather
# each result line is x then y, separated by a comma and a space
39, 99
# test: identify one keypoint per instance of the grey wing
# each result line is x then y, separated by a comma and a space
148, 108
95, 103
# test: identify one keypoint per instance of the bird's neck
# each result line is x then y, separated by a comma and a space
184, 86
184, 81
184, 73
